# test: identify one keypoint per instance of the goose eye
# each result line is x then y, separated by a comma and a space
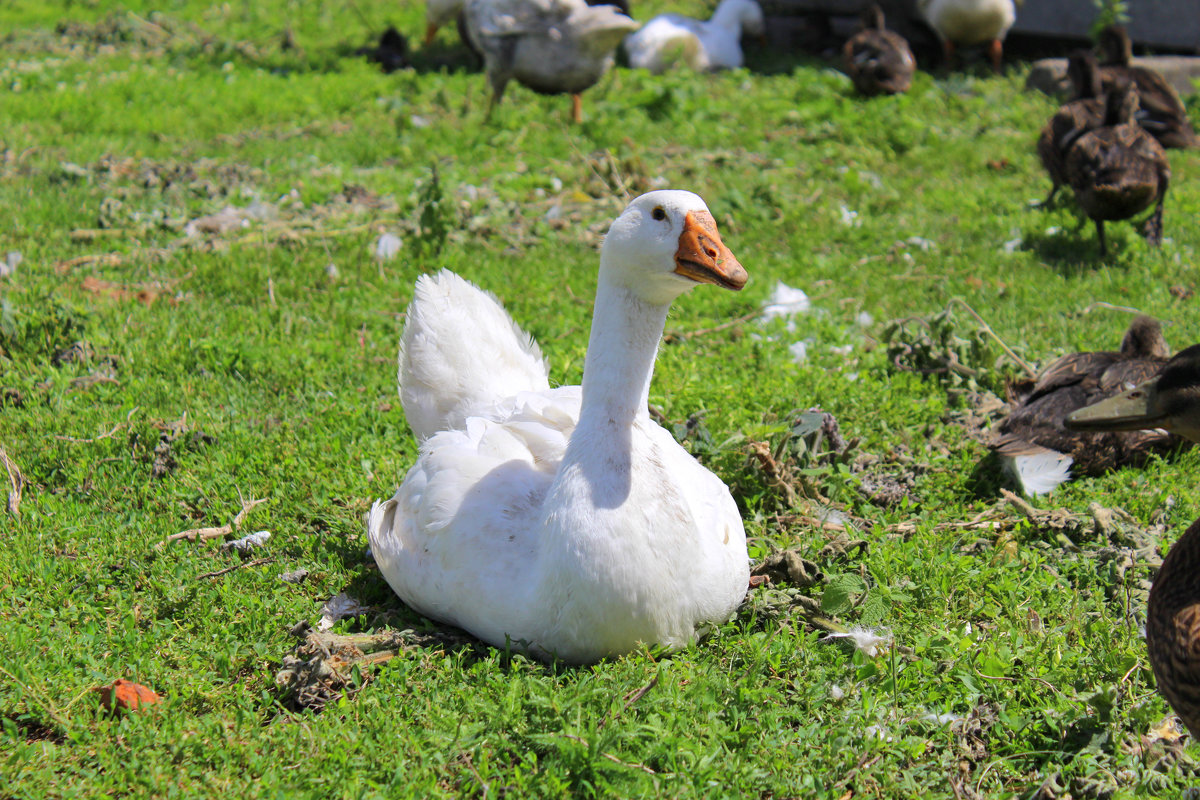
659, 213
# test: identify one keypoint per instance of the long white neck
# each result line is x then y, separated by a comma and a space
620, 358
728, 16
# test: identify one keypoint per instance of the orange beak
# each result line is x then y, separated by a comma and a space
703, 257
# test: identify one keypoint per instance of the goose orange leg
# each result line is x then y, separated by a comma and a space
995, 53
947, 54
576, 109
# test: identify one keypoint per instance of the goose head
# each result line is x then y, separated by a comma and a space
665, 243
1170, 400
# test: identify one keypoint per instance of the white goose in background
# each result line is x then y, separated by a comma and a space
968, 22
437, 14
702, 45
563, 522
550, 46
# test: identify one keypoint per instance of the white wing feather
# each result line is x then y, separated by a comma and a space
460, 352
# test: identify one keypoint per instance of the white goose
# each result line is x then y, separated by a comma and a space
562, 522
550, 46
437, 14
702, 45
968, 22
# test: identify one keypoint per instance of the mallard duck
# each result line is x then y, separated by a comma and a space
968, 22
1118, 170
701, 44
1032, 441
1084, 112
563, 522
879, 61
1171, 401
1160, 111
550, 46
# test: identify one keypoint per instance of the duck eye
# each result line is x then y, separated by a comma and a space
659, 213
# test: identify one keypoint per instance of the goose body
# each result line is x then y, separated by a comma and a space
563, 522
970, 22
669, 39
877, 60
549, 46
1118, 170
1034, 442
1169, 400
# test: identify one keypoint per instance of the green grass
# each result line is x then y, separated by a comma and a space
126, 124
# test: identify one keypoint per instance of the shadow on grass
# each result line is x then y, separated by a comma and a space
987, 479
1070, 252
29, 728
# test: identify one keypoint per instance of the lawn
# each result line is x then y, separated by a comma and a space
198, 318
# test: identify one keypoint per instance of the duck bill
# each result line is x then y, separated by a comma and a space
703, 257
1129, 411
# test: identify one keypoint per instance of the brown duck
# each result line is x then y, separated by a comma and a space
879, 61
1083, 113
1041, 452
1171, 401
1119, 170
1161, 111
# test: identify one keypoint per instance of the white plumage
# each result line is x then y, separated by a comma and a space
1038, 472
670, 39
438, 13
563, 521
445, 376
968, 22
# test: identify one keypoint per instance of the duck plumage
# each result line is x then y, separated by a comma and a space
549, 46
1118, 170
1169, 400
1083, 113
563, 522
1160, 111
877, 60
1033, 440
703, 45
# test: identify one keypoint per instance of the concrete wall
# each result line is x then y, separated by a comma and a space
1167, 24
1172, 24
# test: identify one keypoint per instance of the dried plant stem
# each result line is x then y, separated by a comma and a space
770, 467
717, 329
1030, 371
15, 479
255, 563
1090, 307
118, 427
610, 756
204, 534
630, 700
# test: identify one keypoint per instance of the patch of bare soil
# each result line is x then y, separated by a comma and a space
124, 31
174, 438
